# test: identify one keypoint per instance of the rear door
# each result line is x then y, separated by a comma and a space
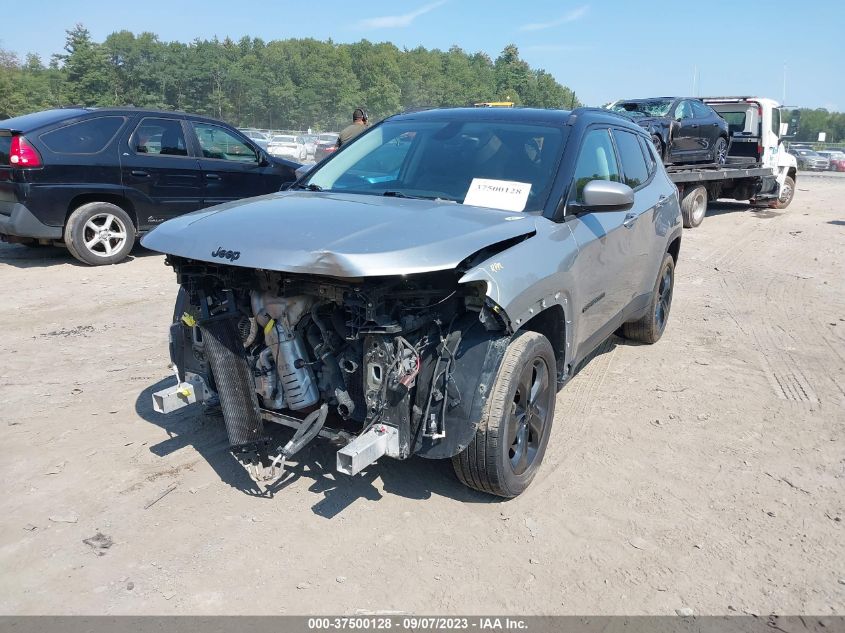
161, 176
604, 241
638, 169
232, 167
708, 126
685, 141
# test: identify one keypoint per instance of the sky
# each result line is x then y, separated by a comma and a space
603, 50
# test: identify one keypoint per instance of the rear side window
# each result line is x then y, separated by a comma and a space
158, 136
650, 154
633, 162
597, 161
701, 111
85, 137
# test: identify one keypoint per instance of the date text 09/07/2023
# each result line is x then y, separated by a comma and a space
416, 623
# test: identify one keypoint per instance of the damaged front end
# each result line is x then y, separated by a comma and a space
394, 366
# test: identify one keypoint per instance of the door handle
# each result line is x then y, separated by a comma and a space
140, 173
629, 220
213, 177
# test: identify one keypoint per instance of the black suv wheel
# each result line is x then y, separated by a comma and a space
510, 442
99, 233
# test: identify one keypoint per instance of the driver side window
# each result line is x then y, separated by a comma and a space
217, 142
683, 111
597, 161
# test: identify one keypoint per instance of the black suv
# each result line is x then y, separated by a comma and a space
95, 178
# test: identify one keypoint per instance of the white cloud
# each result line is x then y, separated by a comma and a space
398, 21
575, 14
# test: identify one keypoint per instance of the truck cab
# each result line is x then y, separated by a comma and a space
758, 126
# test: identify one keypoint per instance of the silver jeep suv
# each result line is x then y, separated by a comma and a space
426, 290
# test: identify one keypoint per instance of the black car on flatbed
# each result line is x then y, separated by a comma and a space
93, 179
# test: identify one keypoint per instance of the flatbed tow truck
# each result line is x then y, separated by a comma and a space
758, 167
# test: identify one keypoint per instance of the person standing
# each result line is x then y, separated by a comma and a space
359, 124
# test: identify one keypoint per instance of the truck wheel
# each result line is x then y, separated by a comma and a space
99, 233
787, 192
511, 439
694, 207
658, 146
650, 328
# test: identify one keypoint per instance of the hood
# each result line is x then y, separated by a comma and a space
337, 235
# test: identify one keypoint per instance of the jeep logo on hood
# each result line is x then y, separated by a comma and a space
222, 253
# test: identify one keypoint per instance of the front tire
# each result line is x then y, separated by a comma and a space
787, 192
650, 327
99, 233
694, 207
509, 444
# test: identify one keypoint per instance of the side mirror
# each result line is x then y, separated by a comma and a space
304, 169
605, 195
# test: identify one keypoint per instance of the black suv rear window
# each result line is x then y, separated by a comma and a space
85, 137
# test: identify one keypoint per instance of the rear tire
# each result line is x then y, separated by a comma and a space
509, 444
694, 207
99, 233
650, 327
659, 147
720, 151
787, 192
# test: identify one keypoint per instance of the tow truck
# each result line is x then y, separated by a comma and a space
758, 167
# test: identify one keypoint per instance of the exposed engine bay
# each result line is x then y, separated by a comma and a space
393, 366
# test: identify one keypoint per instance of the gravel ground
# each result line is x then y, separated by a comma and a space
705, 472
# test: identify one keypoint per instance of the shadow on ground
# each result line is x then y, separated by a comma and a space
21, 256
415, 478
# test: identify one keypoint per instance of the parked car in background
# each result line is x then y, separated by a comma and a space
810, 160
326, 145
288, 146
95, 178
310, 144
835, 157
258, 137
684, 130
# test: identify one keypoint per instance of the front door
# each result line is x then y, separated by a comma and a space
604, 243
685, 137
161, 177
231, 167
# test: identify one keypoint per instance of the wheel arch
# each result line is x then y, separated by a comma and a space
674, 248
111, 198
551, 323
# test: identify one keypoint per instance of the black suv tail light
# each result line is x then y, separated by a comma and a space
22, 154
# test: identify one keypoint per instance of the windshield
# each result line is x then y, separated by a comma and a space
284, 139
484, 163
328, 138
652, 107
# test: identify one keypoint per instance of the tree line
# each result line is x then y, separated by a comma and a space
281, 84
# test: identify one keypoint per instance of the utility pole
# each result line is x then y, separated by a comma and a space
695, 81
783, 96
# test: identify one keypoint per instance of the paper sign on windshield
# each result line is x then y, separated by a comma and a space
498, 194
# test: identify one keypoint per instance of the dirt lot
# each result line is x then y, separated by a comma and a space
705, 472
